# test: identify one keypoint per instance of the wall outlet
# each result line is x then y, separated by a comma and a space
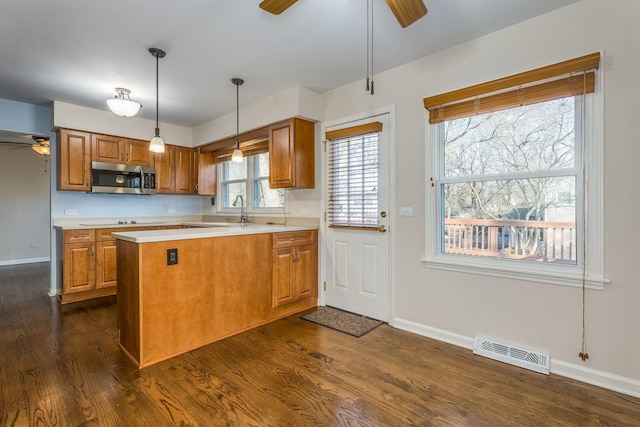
70, 212
406, 211
172, 256
35, 246
171, 211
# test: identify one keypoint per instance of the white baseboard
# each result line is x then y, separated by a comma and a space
598, 378
24, 261
570, 370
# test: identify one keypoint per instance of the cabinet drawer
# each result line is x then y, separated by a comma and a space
293, 238
79, 236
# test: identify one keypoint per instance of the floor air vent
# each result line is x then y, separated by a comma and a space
527, 359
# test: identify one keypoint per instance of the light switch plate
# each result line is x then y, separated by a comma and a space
70, 212
406, 211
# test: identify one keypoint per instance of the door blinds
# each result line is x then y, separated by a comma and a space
353, 159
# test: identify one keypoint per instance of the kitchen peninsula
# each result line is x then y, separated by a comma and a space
184, 288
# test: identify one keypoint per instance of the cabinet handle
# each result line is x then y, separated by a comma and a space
93, 250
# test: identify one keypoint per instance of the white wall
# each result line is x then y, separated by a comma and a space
24, 206
24, 189
456, 306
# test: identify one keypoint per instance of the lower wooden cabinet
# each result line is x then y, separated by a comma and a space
89, 263
295, 266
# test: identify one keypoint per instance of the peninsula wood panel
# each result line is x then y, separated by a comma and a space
221, 286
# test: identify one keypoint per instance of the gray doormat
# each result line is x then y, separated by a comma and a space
343, 321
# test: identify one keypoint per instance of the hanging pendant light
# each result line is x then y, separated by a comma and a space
237, 153
157, 144
122, 105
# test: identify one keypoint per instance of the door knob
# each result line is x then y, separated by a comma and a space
382, 228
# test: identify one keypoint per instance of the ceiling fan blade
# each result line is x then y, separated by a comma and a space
276, 6
407, 11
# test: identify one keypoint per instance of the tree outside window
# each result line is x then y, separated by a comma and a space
509, 182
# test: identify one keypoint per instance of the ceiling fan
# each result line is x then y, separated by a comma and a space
39, 144
406, 11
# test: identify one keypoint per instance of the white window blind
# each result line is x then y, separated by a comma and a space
353, 177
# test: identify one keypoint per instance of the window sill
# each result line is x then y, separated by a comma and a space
563, 278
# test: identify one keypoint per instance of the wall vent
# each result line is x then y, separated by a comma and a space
523, 358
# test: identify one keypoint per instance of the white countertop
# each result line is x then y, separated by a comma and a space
206, 230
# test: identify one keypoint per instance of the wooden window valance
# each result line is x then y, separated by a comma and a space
354, 131
249, 148
569, 78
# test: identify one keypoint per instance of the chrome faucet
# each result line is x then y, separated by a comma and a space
243, 216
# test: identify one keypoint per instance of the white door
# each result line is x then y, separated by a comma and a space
357, 225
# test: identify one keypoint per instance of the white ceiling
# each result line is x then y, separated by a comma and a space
79, 51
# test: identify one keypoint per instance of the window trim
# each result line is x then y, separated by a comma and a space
593, 162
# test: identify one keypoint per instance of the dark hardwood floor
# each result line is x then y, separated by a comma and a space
61, 366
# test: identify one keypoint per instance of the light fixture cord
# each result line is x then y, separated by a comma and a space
237, 116
584, 355
372, 83
367, 87
157, 103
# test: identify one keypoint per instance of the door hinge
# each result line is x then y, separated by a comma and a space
324, 143
325, 286
325, 216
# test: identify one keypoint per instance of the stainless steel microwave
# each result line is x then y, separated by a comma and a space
119, 178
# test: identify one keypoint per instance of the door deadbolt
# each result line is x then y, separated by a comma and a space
383, 214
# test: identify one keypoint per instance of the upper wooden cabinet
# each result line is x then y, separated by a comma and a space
74, 160
165, 171
107, 148
207, 178
114, 149
292, 154
186, 170
136, 152
176, 170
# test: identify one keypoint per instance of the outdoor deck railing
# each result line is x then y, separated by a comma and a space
535, 240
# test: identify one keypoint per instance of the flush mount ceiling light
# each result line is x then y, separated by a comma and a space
237, 154
157, 144
122, 105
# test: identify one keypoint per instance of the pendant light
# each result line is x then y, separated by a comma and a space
122, 105
157, 144
237, 154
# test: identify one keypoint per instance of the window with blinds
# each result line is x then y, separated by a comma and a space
511, 157
353, 159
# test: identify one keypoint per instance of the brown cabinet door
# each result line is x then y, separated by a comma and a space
106, 148
106, 264
283, 292
185, 170
74, 160
165, 170
292, 154
302, 272
136, 152
79, 267
281, 155
207, 178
